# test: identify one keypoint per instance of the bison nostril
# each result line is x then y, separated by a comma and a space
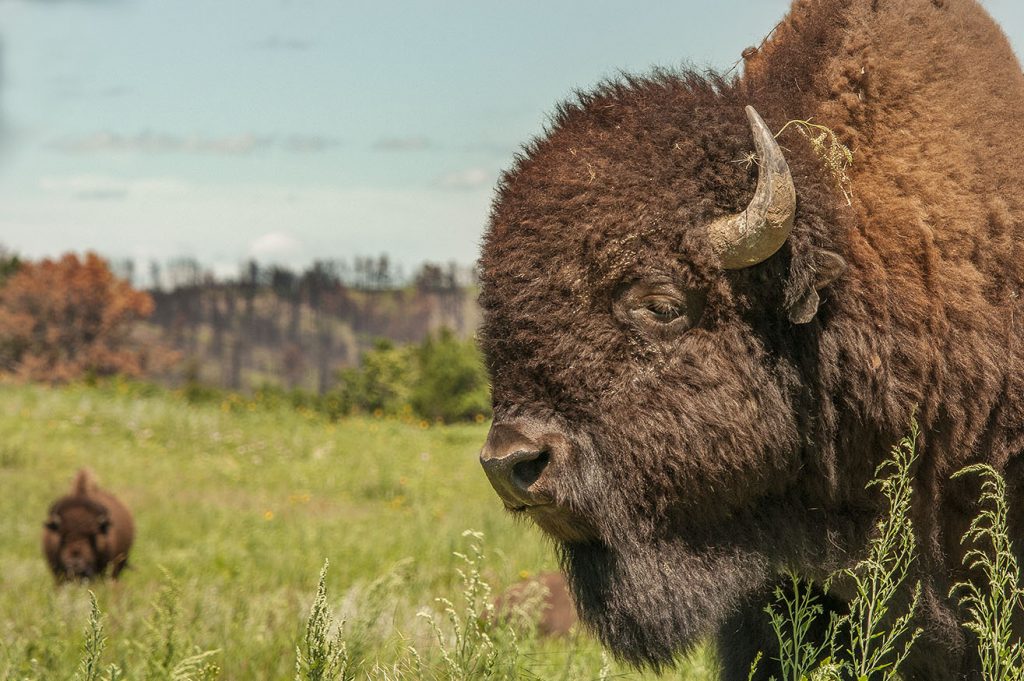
515, 462
526, 471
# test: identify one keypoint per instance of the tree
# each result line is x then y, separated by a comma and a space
382, 380
67, 318
9, 264
451, 383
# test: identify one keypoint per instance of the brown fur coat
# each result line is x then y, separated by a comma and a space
689, 467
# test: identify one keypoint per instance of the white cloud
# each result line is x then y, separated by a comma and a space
290, 224
100, 187
167, 143
275, 247
309, 143
470, 178
156, 143
280, 43
402, 144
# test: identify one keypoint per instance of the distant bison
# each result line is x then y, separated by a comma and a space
88, 531
700, 351
545, 598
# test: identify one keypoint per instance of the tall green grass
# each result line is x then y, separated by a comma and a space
873, 638
237, 510
993, 605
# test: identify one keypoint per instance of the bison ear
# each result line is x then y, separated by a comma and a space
802, 298
52, 523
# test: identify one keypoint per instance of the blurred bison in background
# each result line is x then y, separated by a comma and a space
699, 356
87, 532
544, 599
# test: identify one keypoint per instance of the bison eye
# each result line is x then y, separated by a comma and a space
659, 307
663, 309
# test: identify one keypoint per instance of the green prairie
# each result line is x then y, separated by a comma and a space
237, 506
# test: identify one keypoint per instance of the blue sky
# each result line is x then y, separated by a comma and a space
291, 130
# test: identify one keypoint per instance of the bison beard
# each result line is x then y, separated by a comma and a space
659, 572
688, 408
651, 603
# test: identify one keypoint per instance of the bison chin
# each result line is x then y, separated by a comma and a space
652, 604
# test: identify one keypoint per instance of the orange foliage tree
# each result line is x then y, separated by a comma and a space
68, 318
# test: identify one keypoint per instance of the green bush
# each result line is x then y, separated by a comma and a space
441, 379
161, 655
9, 264
381, 384
451, 383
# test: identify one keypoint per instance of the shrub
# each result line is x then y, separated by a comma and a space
451, 383
442, 378
871, 641
92, 648
70, 318
381, 383
159, 652
9, 264
472, 646
466, 642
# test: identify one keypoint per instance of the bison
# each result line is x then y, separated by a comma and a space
544, 600
701, 348
87, 531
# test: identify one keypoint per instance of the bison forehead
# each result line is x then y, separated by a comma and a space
78, 515
664, 145
625, 182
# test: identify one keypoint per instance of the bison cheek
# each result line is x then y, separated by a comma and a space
562, 525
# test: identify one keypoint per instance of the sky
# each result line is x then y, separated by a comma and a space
294, 130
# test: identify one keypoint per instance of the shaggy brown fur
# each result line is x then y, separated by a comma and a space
690, 462
87, 532
546, 598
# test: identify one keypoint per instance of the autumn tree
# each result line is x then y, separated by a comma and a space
68, 318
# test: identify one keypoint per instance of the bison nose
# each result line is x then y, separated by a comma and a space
514, 463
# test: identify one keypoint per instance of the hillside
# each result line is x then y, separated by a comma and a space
295, 332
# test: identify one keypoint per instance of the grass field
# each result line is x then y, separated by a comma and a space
236, 511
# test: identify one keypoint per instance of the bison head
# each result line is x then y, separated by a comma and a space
75, 537
643, 414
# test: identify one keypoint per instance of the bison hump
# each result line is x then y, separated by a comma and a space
85, 484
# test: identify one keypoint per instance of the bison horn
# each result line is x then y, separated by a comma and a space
755, 234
